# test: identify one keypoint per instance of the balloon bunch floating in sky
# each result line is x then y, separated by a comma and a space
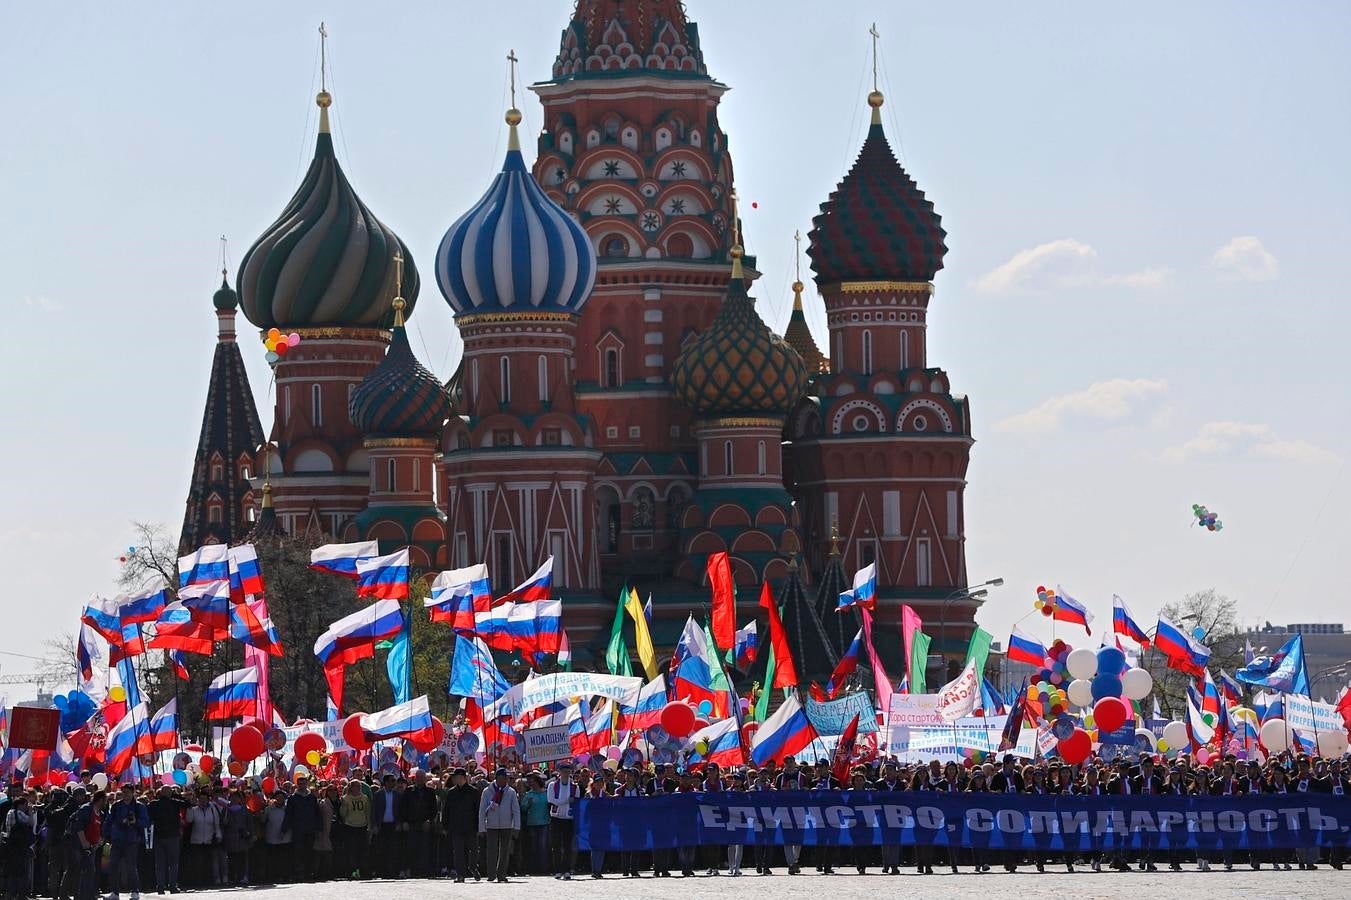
1045, 601
123, 558
278, 344
1204, 517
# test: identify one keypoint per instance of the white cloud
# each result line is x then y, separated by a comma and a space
45, 304
1059, 264
1104, 401
1239, 440
1245, 259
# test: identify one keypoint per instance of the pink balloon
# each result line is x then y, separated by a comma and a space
292, 339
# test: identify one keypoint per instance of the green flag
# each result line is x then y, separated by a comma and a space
616, 654
919, 661
762, 704
979, 649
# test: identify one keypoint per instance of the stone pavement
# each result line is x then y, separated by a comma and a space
1323, 884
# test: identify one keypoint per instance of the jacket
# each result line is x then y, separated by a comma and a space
204, 825
126, 822
302, 816
461, 811
166, 815
241, 829
499, 808
380, 805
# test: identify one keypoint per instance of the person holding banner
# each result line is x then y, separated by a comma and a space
891, 781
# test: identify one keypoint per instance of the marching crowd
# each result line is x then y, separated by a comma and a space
75, 842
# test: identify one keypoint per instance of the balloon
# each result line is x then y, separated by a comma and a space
292, 339
180, 777
701, 747
207, 764
705, 708
1202, 756
353, 735
271, 356
1109, 713
255, 723
1199, 633
1075, 748
744, 704
301, 772
1175, 733
1136, 684
269, 784
466, 743
313, 757
246, 743
611, 765
309, 742
1208, 718
236, 768
1082, 664
1106, 686
1111, 661
195, 748
438, 731
1144, 740
1080, 692
1276, 735
270, 344
1048, 610
117, 694
1332, 744
167, 779
677, 718
273, 334
613, 753
700, 725
281, 348
99, 780
656, 736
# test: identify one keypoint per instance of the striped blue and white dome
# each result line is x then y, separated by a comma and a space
516, 250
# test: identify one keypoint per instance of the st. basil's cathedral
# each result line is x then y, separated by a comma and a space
620, 404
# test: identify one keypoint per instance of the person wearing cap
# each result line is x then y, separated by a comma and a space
563, 793
499, 820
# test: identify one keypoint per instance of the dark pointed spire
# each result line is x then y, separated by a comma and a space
812, 651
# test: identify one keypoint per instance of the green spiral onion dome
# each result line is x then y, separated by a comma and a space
401, 398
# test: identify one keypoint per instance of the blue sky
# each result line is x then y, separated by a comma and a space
1147, 206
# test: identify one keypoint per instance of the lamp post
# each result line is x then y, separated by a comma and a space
971, 592
1337, 671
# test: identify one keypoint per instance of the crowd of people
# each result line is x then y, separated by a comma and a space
77, 842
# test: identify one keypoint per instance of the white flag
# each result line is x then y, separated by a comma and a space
959, 698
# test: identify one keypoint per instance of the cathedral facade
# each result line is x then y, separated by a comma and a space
620, 405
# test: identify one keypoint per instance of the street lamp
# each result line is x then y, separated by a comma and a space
1337, 671
971, 592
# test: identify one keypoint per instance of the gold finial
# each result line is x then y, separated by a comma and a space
736, 250
875, 99
797, 264
267, 495
324, 98
834, 537
513, 114
399, 303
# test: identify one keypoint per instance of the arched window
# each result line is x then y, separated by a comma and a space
504, 366
867, 352
644, 508
217, 472
389, 475
727, 458
316, 405
760, 458
680, 246
612, 368
615, 247
543, 378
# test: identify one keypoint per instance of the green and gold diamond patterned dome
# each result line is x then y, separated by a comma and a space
738, 367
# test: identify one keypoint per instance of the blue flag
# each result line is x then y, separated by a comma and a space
473, 673
1285, 672
399, 663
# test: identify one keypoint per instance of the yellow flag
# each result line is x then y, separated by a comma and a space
642, 638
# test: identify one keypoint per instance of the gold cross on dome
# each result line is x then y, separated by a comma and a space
512, 59
877, 35
323, 58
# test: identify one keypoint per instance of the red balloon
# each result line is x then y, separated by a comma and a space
236, 768
677, 717
246, 743
269, 785
282, 348
309, 740
58, 777
433, 740
195, 748
255, 723
254, 805
1075, 748
207, 764
1109, 714
748, 731
352, 733
700, 725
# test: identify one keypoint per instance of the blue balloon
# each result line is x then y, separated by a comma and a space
1111, 661
180, 777
1063, 727
1199, 633
705, 707
1106, 686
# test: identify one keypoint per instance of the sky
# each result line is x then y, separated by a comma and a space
1147, 206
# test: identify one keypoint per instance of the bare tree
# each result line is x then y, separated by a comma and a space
59, 661
152, 556
1212, 618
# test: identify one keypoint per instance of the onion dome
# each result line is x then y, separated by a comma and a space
877, 225
400, 397
327, 260
225, 299
516, 250
618, 38
738, 367
799, 336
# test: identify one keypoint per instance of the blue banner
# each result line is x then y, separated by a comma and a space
832, 717
983, 821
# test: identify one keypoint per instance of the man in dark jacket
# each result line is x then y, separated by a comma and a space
389, 823
302, 821
459, 817
166, 817
56, 813
420, 808
126, 824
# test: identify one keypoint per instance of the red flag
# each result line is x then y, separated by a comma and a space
724, 600
1344, 707
785, 673
844, 753
817, 693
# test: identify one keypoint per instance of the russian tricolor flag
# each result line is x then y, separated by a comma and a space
697, 674
249, 627
724, 745
129, 643
1183, 652
205, 564
786, 733
458, 594
864, 591
102, 615
647, 712
534, 589
411, 720
746, 647
86, 652
176, 629
180, 665
245, 575
1124, 624
1067, 609
1230, 689
120, 745
847, 666
341, 559
353, 638
384, 577
143, 607
209, 603
163, 733
1025, 649
232, 695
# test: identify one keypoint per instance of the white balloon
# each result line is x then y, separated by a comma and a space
1082, 663
1332, 744
1175, 735
100, 780
1147, 735
1136, 684
1276, 735
1081, 692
